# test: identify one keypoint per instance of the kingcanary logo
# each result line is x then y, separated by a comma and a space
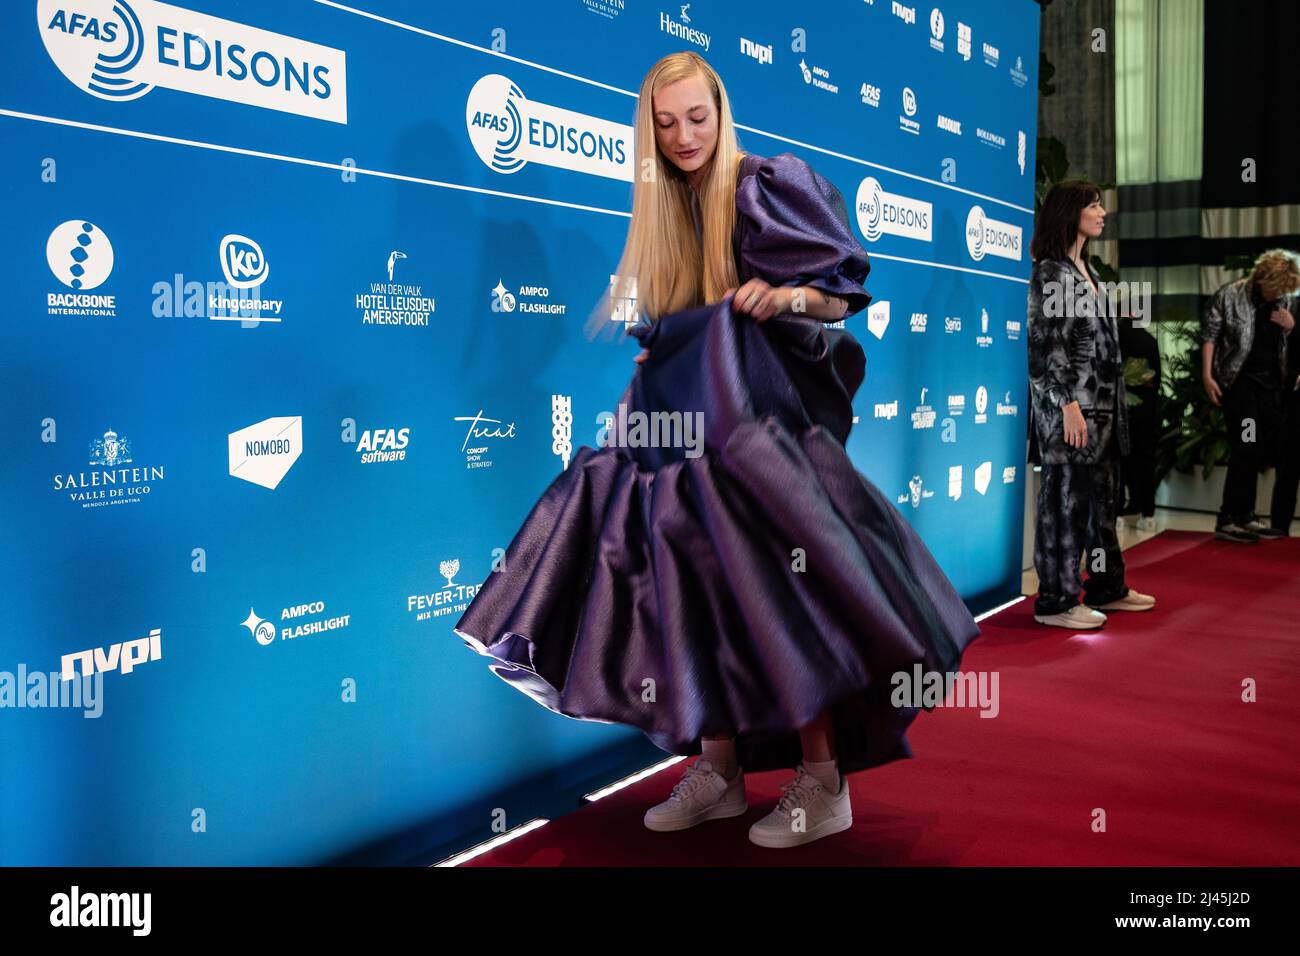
119, 50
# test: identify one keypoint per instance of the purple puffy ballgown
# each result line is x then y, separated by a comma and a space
659, 590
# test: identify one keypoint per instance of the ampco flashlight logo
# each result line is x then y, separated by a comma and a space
121, 49
508, 131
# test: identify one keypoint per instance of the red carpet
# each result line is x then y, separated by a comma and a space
1144, 720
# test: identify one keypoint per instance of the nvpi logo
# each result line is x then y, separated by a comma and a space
243, 262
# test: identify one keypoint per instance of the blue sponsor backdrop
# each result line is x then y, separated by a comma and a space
363, 716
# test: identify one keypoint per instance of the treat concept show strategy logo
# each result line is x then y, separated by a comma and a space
121, 49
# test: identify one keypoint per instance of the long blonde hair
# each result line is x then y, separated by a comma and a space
673, 270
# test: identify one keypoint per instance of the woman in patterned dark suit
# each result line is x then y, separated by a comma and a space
1080, 416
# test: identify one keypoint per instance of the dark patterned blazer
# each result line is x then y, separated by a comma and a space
1229, 322
1074, 355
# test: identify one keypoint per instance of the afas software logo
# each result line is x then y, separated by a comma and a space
120, 50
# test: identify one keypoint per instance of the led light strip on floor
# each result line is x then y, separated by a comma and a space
492, 844
628, 781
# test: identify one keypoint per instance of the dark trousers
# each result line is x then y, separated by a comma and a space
1140, 479
1076, 515
1288, 464
1247, 400
1139, 467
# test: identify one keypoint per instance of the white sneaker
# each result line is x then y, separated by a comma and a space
1079, 616
1266, 531
1147, 523
1133, 601
702, 794
807, 811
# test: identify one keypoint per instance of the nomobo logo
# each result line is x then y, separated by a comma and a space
264, 453
121, 49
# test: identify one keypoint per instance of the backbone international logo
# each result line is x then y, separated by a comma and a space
119, 50
81, 257
79, 254
508, 131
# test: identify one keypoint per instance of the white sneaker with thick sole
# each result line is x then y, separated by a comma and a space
1078, 616
1265, 531
702, 794
1133, 601
807, 811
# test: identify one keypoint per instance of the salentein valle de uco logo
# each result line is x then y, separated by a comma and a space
119, 50
117, 478
81, 257
508, 131
262, 454
395, 301
297, 620
991, 237
451, 598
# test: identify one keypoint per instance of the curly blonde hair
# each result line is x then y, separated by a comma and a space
1276, 273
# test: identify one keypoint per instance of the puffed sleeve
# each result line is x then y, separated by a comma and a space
797, 231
